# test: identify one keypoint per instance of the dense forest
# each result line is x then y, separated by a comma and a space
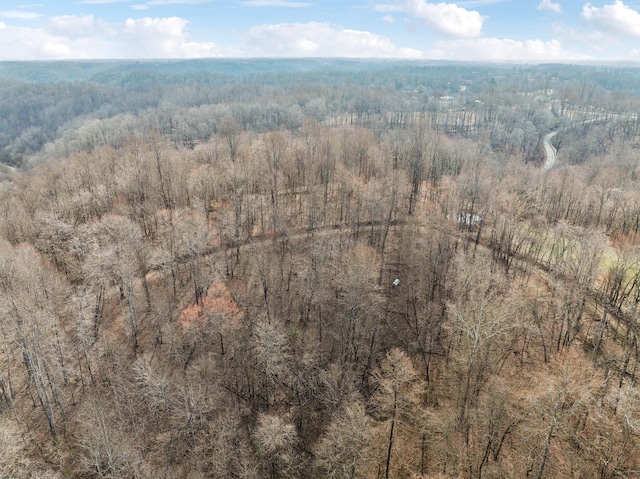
319, 269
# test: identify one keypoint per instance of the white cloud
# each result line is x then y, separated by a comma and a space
389, 18
140, 6
549, 5
146, 27
497, 49
83, 37
37, 44
615, 17
3, 25
162, 38
73, 26
595, 39
275, 3
320, 40
56, 49
446, 18
19, 15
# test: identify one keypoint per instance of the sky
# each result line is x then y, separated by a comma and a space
531, 31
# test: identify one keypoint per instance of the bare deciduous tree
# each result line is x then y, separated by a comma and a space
276, 440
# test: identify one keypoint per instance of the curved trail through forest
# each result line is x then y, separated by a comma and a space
550, 152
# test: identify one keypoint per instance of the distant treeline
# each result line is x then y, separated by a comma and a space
45, 102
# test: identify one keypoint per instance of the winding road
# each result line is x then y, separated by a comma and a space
550, 152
